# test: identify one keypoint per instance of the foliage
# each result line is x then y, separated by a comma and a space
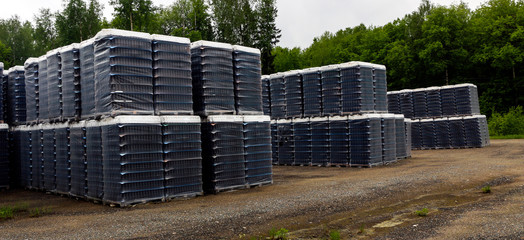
38, 212
422, 213
280, 234
6, 213
510, 123
334, 235
78, 21
17, 36
135, 15
433, 46
486, 189
187, 18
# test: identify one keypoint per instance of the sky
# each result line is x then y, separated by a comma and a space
299, 20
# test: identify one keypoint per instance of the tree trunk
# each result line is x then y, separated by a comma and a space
447, 77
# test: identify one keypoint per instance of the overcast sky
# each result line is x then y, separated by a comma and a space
299, 20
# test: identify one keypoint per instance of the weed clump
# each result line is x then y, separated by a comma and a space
422, 213
486, 189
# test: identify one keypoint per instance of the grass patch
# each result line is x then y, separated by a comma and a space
38, 212
422, 213
513, 136
334, 235
486, 189
280, 234
6, 213
362, 229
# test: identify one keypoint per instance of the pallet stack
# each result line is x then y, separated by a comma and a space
236, 136
112, 119
333, 115
442, 117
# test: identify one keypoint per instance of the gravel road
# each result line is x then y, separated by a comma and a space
362, 203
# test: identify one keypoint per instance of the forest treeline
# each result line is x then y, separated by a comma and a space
246, 22
433, 46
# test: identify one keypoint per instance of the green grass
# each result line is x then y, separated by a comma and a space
486, 189
422, 213
515, 136
280, 234
38, 212
334, 235
6, 213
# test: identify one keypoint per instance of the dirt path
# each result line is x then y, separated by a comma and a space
311, 202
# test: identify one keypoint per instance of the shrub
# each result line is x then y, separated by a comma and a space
422, 213
280, 234
510, 123
6, 213
334, 235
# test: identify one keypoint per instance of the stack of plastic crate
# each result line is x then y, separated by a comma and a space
24, 147
407, 127
223, 153
43, 109
449, 105
16, 98
278, 96
467, 99
442, 133
87, 78
37, 157
4, 156
457, 132
94, 160
123, 73
434, 102
266, 95
320, 144
380, 87
365, 137
54, 85
70, 57
406, 103
357, 87
302, 140
49, 157
213, 78
388, 136
394, 102
63, 158
286, 142
293, 92
400, 137
473, 132
339, 142
416, 134
275, 139
31, 89
257, 149
420, 109
429, 138
77, 139
247, 75
172, 75
312, 92
2, 92
133, 170
331, 90
182, 147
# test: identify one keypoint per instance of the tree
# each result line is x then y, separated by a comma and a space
44, 33
6, 56
286, 59
135, 15
17, 36
267, 34
187, 18
78, 22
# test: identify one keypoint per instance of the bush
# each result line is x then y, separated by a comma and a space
6, 212
422, 213
334, 235
510, 123
280, 234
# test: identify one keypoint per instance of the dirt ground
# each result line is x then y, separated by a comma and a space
312, 202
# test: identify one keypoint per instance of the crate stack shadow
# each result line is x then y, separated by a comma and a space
334, 115
442, 117
112, 119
